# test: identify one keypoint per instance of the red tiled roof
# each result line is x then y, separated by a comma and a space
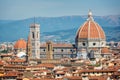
73, 77
17, 60
14, 66
9, 75
45, 79
1, 62
98, 77
48, 65
20, 44
105, 50
111, 70
90, 29
6, 55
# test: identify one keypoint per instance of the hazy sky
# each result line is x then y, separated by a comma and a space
21, 9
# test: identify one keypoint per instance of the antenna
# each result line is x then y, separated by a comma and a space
34, 19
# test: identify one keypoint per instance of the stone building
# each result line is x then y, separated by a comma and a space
35, 40
57, 50
90, 37
89, 41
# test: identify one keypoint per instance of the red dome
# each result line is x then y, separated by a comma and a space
90, 29
20, 44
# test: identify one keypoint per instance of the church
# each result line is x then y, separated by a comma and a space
90, 39
90, 42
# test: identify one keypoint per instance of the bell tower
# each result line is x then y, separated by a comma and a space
29, 49
35, 40
49, 48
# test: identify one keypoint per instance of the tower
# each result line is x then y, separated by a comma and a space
35, 40
49, 50
28, 49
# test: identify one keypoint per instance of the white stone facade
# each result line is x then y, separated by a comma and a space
35, 40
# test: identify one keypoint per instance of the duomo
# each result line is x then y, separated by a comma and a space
90, 43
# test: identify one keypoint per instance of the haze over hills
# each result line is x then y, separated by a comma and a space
57, 28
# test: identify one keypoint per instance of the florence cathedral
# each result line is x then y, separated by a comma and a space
90, 42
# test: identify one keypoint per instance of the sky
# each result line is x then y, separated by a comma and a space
22, 9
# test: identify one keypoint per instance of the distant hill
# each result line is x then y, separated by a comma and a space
59, 27
112, 34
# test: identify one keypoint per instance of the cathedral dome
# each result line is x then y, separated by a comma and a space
20, 44
90, 30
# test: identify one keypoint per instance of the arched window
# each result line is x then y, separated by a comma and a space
33, 35
61, 50
44, 50
37, 35
71, 50
48, 47
83, 44
53, 50
94, 44
102, 43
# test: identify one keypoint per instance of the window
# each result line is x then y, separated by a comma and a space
102, 43
33, 51
61, 50
33, 44
33, 35
20, 49
48, 47
44, 50
94, 44
83, 44
53, 50
71, 50
37, 34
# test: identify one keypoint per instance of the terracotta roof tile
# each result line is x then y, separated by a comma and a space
105, 50
47, 65
90, 29
1, 62
17, 60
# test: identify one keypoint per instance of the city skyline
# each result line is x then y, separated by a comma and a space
19, 9
59, 40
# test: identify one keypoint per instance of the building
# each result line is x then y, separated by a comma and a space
53, 50
89, 41
90, 37
29, 48
57, 60
20, 46
35, 40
